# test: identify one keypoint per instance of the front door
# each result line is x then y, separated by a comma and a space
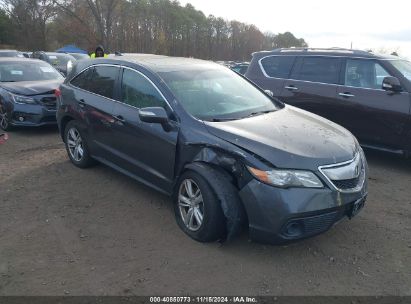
145, 150
377, 117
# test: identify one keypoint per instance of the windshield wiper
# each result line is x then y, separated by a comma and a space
258, 113
223, 119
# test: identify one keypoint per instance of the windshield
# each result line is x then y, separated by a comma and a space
27, 71
404, 67
60, 60
217, 94
79, 56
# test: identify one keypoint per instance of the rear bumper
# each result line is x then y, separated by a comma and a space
280, 216
32, 115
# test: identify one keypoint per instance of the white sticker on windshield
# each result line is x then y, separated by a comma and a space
14, 72
46, 69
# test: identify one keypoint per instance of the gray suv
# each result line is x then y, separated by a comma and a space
227, 153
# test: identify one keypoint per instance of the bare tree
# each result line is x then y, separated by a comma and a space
30, 17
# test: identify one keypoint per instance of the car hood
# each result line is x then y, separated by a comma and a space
289, 138
29, 88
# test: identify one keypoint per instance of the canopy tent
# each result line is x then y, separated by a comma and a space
71, 49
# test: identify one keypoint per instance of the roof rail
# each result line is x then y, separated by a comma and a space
330, 49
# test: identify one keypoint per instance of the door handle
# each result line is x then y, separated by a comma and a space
82, 103
120, 118
347, 95
291, 88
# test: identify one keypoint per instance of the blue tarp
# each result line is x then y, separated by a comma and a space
71, 49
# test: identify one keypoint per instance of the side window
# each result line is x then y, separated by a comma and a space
103, 80
82, 80
320, 69
277, 66
138, 92
364, 74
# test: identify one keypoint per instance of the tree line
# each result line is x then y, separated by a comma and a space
142, 26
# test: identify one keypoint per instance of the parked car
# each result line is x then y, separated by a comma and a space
11, 53
240, 68
366, 93
61, 61
224, 150
27, 92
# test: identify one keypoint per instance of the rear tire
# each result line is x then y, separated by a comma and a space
197, 209
76, 146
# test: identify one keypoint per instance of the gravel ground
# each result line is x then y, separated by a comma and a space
67, 231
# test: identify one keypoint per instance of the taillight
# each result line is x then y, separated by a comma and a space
57, 92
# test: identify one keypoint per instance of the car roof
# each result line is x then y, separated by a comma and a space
340, 52
160, 63
8, 51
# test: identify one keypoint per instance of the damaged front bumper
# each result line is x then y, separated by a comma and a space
32, 115
279, 216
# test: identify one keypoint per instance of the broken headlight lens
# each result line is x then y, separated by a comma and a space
22, 99
287, 178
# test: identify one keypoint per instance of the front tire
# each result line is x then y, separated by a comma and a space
4, 119
76, 146
197, 209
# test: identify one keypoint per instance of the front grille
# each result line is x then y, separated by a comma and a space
48, 119
348, 176
346, 184
49, 102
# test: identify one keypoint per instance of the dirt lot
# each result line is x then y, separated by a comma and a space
65, 230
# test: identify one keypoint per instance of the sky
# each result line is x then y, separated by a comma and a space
383, 26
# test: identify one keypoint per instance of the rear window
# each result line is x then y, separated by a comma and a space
9, 54
82, 80
320, 69
277, 66
103, 81
99, 80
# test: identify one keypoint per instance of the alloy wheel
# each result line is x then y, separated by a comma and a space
4, 121
191, 204
75, 144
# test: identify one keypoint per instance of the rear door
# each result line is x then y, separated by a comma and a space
270, 72
377, 117
145, 150
313, 86
96, 99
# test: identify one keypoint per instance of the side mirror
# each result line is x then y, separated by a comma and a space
391, 84
153, 115
269, 93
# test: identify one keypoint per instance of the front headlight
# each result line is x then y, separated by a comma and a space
287, 178
22, 99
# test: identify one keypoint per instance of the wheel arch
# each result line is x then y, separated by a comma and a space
63, 123
222, 184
